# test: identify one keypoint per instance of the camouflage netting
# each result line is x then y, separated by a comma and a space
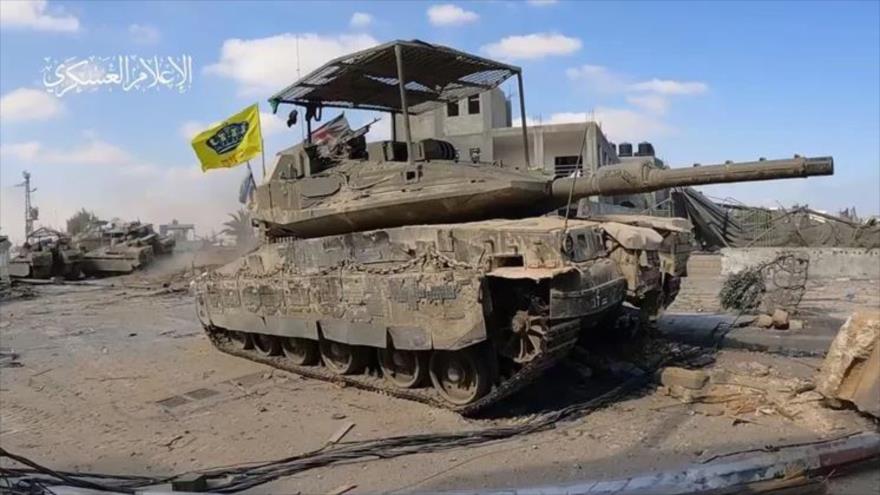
778, 284
717, 225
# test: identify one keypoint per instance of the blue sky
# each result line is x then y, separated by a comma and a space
705, 82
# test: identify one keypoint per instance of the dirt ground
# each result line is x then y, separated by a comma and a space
121, 379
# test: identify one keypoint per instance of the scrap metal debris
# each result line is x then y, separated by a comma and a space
851, 371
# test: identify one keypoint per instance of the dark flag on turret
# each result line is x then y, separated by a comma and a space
332, 131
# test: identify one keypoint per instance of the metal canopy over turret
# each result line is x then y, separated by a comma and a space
369, 79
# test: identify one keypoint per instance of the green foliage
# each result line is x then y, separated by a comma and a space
239, 227
743, 291
80, 221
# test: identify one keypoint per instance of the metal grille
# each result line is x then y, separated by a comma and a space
368, 79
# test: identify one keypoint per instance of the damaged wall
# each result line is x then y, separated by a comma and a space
824, 262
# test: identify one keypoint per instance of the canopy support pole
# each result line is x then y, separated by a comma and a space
522, 116
398, 54
393, 125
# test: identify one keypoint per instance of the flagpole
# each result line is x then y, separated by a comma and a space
263, 152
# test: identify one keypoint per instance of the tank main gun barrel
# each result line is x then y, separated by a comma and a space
631, 178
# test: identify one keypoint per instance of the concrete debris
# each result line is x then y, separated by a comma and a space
191, 482
764, 321
780, 319
753, 393
692, 379
851, 371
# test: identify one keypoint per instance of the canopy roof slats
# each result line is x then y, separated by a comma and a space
368, 79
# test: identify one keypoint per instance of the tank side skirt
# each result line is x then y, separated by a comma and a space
564, 305
561, 337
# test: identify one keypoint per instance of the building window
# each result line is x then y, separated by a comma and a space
566, 165
473, 104
452, 109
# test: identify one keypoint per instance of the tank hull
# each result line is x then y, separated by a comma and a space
116, 260
439, 290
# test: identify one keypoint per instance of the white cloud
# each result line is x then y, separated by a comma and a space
25, 151
622, 124
360, 20
144, 34
651, 102
598, 78
668, 87
93, 152
532, 46
191, 128
607, 81
265, 65
34, 15
542, 3
448, 14
270, 125
652, 96
29, 104
619, 124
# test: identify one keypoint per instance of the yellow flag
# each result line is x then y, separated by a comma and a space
232, 142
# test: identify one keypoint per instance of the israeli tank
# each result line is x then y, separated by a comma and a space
113, 248
396, 267
46, 253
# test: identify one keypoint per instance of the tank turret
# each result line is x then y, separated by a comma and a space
352, 195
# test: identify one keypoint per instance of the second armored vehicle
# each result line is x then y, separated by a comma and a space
120, 247
393, 266
46, 253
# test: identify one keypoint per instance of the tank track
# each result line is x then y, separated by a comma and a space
559, 340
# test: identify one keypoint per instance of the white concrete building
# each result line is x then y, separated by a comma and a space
480, 126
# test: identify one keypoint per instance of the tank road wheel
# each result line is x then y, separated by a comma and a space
302, 352
404, 369
267, 345
342, 359
462, 376
242, 339
526, 338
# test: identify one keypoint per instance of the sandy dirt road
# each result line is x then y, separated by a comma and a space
123, 380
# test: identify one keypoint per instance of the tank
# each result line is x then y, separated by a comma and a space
120, 247
46, 253
398, 267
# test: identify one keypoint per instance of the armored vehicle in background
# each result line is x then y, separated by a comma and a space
394, 266
120, 247
46, 253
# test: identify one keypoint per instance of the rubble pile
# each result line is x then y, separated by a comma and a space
748, 394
